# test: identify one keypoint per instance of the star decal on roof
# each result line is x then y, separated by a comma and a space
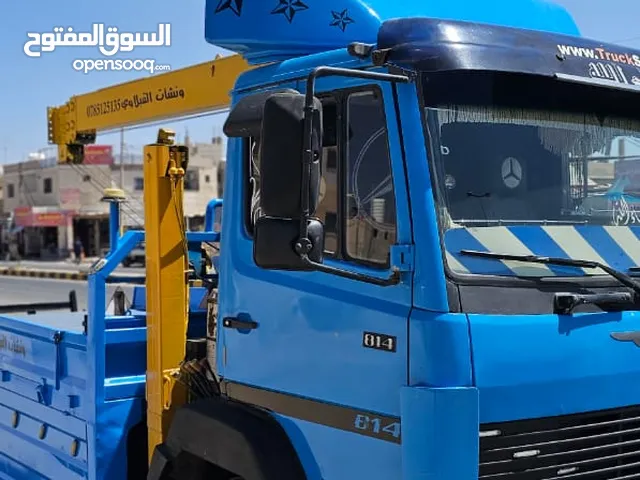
234, 5
289, 8
341, 19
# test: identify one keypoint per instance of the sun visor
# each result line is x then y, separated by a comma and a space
245, 118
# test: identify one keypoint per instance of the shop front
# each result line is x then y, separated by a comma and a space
44, 231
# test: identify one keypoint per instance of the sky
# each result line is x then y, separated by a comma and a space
28, 85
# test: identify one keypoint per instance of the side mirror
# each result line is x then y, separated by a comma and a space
275, 243
286, 237
283, 143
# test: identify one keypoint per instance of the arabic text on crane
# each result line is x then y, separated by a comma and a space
135, 101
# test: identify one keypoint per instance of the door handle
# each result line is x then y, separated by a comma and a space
233, 322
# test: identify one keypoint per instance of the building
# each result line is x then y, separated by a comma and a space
50, 205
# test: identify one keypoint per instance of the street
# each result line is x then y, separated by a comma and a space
20, 290
65, 266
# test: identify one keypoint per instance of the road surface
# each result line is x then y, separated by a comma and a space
65, 266
24, 290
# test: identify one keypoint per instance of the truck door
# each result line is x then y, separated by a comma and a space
329, 354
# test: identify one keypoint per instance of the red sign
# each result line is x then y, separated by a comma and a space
22, 212
26, 217
57, 219
98, 155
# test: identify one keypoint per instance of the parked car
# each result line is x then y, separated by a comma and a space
136, 256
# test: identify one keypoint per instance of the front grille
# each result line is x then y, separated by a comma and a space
592, 446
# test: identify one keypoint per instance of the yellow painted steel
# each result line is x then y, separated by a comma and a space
167, 281
189, 91
180, 93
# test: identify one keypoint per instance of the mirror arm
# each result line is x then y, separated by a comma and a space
303, 246
308, 127
393, 279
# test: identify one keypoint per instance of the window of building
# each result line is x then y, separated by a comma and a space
192, 180
207, 179
138, 183
356, 179
47, 185
10, 190
220, 179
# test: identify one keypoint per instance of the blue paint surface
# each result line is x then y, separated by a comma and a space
274, 30
451, 372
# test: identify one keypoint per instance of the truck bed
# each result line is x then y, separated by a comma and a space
49, 400
68, 412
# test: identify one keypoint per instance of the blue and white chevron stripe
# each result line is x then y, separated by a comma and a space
616, 246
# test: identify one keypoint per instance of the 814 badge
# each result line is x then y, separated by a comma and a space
379, 341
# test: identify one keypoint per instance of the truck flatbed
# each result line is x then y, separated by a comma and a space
71, 322
57, 397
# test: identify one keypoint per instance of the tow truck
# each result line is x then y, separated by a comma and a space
411, 283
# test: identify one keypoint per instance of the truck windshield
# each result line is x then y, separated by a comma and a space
532, 165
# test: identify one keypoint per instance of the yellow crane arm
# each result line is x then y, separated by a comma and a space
189, 91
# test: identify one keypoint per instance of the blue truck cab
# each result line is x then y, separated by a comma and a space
428, 265
464, 305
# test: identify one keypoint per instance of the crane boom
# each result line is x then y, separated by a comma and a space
189, 91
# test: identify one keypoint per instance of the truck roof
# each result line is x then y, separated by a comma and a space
274, 30
439, 45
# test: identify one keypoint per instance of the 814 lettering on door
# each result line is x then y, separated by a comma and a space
379, 341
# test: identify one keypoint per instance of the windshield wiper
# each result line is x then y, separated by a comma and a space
564, 303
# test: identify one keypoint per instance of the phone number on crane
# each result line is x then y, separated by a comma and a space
136, 101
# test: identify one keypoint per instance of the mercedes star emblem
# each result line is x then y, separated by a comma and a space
511, 172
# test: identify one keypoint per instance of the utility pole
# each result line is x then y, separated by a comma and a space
122, 158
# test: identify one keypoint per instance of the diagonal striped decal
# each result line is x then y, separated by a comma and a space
570, 240
627, 241
616, 246
455, 265
500, 239
600, 240
540, 243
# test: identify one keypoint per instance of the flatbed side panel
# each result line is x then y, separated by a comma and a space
121, 447
21, 459
46, 442
49, 416
42, 410
43, 365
